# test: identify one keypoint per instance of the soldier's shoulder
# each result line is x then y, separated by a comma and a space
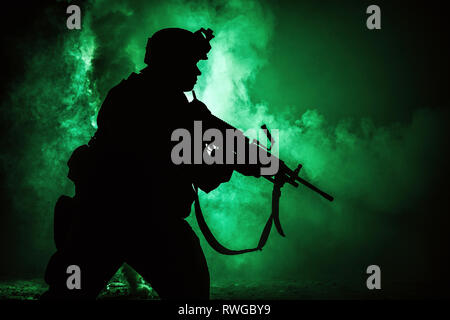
127, 84
132, 90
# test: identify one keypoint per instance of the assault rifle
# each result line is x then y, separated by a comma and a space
283, 175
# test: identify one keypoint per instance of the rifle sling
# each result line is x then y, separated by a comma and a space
273, 218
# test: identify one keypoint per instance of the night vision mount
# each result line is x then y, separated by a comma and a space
202, 38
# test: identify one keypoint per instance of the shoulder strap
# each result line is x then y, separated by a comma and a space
274, 218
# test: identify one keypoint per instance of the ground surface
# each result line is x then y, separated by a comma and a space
280, 290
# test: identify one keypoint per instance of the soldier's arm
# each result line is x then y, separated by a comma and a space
222, 172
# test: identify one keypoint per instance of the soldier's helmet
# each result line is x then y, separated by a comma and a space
175, 44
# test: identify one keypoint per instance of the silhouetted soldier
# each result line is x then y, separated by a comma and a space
131, 200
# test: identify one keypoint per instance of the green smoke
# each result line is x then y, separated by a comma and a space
320, 95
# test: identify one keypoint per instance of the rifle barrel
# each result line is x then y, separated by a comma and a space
314, 188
